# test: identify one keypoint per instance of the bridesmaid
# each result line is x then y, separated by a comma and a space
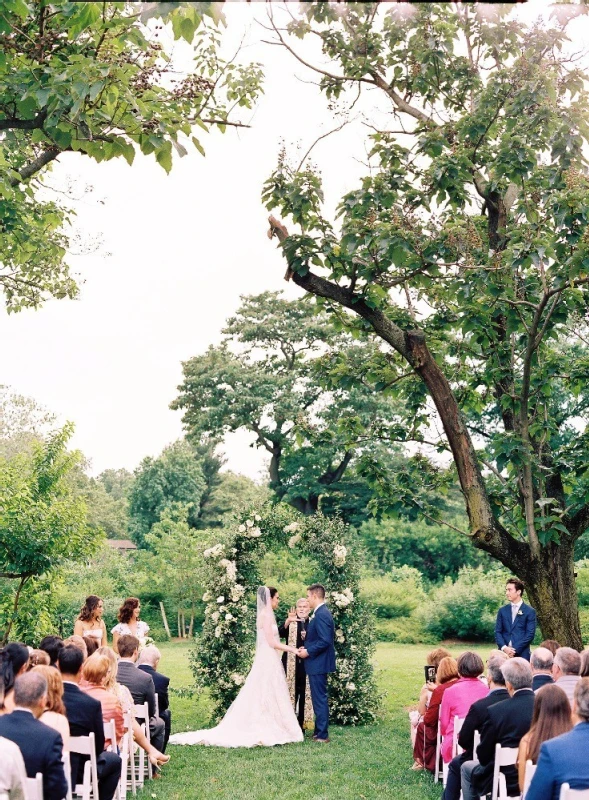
90, 622
129, 623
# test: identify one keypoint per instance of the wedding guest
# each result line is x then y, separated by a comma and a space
51, 645
96, 675
458, 699
79, 642
84, 715
564, 758
40, 746
515, 627
38, 658
91, 645
474, 721
148, 662
584, 671
128, 706
506, 724
129, 623
90, 623
416, 715
54, 714
14, 661
13, 775
140, 685
551, 717
550, 644
541, 662
565, 670
424, 750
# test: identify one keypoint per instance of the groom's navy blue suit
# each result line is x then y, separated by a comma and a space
520, 632
321, 660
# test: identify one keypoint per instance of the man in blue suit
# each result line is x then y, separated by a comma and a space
564, 759
516, 623
319, 655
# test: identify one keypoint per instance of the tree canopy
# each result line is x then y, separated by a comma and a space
96, 79
466, 251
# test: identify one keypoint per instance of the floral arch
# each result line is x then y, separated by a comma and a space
224, 650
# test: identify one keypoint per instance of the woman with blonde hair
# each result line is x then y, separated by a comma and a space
424, 752
127, 705
97, 673
54, 715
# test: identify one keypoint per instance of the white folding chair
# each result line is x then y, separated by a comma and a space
530, 769
456, 749
68, 772
85, 746
157, 706
504, 757
110, 732
438, 753
126, 753
143, 764
35, 787
566, 793
475, 743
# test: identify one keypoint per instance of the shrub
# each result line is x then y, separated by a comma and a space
404, 630
394, 595
466, 609
582, 569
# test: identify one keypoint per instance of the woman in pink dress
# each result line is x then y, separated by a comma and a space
458, 698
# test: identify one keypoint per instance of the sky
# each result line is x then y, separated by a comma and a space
175, 254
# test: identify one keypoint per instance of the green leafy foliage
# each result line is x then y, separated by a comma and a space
396, 594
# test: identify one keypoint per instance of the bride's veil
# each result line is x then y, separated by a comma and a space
265, 616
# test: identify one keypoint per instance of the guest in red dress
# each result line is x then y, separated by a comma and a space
424, 752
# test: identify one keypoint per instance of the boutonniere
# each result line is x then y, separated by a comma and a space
520, 613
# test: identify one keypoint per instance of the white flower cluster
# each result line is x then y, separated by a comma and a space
250, 528
339, 636
339, 555
294, 527
206, 597
237, 592
230, 568
343, 599
294, 540
214, 552
237, 679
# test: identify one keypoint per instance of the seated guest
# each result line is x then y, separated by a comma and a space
416, 716
13, 775
550, 644
541, 662
91, 645
84, 715
40, 746
458, 699
506, 723
96, 673
148, 661
51, 645
77, 641
424, 750
584, 671
140, 685
38, 658
54, 714
565, 670
474, 721
564, 759
14, 661
551, 717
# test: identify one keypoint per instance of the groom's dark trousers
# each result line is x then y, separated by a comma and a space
320, 662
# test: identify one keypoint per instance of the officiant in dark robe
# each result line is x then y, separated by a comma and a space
294, 631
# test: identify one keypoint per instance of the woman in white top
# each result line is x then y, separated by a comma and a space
54, 715
90, 622
129, 623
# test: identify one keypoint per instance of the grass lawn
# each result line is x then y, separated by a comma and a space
365, 763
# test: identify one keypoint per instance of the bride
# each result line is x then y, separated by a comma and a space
262, 713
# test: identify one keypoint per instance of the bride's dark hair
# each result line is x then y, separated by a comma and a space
273, 591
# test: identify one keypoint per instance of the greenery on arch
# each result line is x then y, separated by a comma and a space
224, 650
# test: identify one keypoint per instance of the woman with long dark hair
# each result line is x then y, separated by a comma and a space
551, 717
14, 660
129, 623
90, 622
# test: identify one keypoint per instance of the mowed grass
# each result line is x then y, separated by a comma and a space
365, 763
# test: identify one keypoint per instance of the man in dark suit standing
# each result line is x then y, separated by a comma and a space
506, 723
515, 627
474, 721
148, 662
84, 715
319, 652
140, 685
41, 746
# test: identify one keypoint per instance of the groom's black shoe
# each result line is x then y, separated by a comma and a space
321, 741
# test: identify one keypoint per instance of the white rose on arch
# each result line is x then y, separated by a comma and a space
292, 528
249, 523
255, 532
339, 555
294, 540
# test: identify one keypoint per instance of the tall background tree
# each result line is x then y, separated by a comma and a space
466, 251
95, 79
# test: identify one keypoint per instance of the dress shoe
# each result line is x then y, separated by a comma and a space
321, 741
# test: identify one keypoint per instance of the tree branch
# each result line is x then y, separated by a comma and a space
45, 158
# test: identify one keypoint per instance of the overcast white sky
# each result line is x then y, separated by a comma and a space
183, 247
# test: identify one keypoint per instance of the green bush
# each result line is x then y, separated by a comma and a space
466, 609
582, 569
405, 630
394, 595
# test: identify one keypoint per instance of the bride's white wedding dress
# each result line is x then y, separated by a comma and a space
262, 713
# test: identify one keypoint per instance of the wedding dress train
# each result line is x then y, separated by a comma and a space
262, 713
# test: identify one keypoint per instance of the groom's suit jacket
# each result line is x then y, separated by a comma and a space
319, 643
520, 632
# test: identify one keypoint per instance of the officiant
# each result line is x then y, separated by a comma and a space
294, 631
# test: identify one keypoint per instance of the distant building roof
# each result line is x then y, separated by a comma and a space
121, 544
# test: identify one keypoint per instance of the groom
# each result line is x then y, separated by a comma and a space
319, 655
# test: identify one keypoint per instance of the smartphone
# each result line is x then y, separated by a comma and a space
430, 674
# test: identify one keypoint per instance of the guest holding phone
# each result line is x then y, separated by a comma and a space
424, 750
